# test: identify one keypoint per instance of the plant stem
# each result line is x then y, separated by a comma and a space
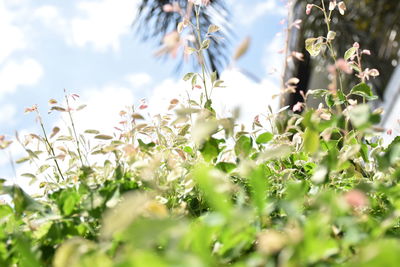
74, 130
51, 150
286, 51
200, 52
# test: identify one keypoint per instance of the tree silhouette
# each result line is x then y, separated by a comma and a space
154, 23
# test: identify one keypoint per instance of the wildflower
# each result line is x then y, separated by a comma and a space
308, 9
389, 132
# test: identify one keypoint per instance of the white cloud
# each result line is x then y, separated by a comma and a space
7, 113
251, 97
12, 35
103, 107
138, 80
15, 74
247, 13
51, 17
273, 60
102, 23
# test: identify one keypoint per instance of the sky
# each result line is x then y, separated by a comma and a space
89, 48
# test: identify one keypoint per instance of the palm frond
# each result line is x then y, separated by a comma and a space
153, 23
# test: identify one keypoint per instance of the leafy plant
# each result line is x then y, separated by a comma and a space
190, 188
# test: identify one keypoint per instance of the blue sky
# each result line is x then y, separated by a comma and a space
89, 48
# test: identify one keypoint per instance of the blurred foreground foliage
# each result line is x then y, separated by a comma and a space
170, 192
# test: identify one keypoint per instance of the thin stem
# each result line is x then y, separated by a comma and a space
74, 130
200, 52
286, 52
47, 177
50, 147
329, 44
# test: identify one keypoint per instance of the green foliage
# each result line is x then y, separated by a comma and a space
190, 188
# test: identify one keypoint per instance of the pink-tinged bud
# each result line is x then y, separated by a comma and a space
332, 5
168, 8
389, 132
366, 52
298, 107
356, 199
373, 72
31, 109
325, 116
143, 106
308, 9
356, 45
342, 8
298, 55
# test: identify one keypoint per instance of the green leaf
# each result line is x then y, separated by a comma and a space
29, 175
317, 92
311, 141
205, 44
259, 190
91, 131
331, 35
359, 115
188, 76
69, 203
103, 137
27, 257
213, 28
226, 167
71, 251
329, 100
314, 46
190, 50
43, 168
243, 146
210, 149
264, 138
349, 53
213, 185
362, 89
22, 160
